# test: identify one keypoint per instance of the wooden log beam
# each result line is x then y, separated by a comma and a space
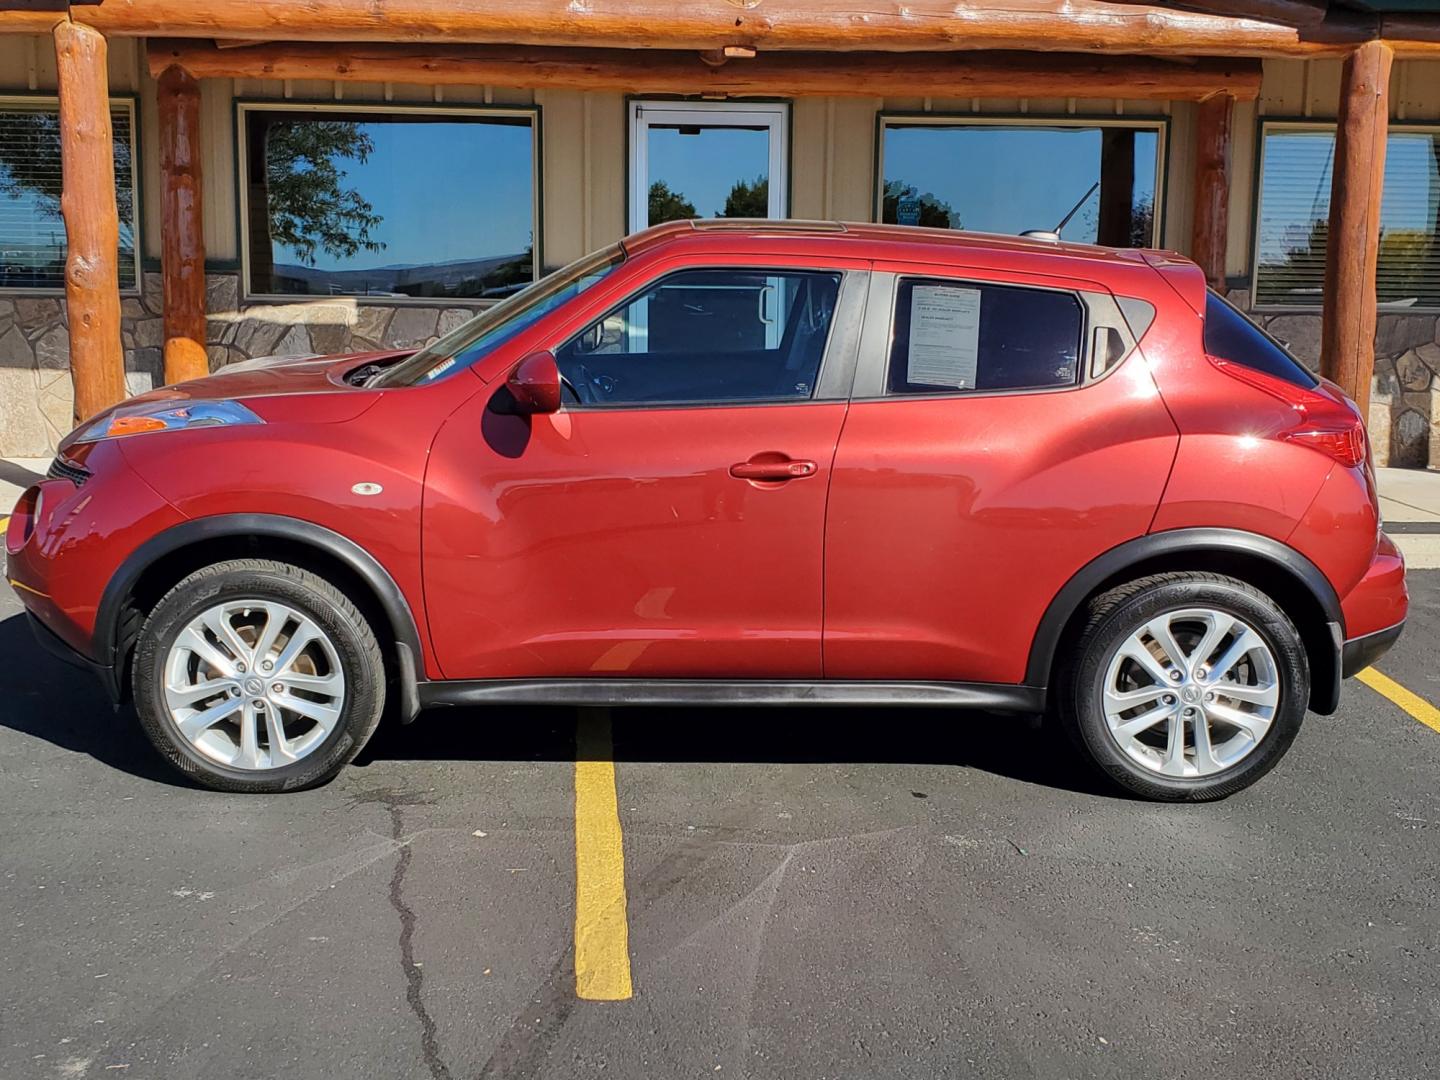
182, 230
697, 25
1298, 13
1347, 327
1106, 26
779, 74
1212, 188
92, 220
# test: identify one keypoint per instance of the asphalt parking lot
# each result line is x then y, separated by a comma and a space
806, 894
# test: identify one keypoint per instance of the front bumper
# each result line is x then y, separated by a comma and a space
57, 647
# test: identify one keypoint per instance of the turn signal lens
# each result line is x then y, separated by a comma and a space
134, 425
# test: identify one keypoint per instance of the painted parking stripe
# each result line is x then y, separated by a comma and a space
1412, 703
602, 930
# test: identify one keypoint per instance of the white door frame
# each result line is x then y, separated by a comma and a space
775, 116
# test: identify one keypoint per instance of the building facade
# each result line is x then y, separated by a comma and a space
344, 214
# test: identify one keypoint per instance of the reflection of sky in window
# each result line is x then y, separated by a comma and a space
1007, 180
32, 230
1296, 171
704, 167
444, 191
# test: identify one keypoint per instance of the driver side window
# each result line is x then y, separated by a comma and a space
707, 337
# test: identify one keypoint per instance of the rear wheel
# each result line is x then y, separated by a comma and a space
258, 676
1185, 686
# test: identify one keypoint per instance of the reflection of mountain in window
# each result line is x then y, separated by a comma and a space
408, 203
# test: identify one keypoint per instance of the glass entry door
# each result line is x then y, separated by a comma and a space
706, 160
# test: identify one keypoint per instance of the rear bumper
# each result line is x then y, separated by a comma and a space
1359, 653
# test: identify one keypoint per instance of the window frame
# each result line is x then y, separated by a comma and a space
1291, 123
905, 118
833, 377
131, 104
247, 105
680, 110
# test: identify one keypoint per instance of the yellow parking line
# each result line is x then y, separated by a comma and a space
602, 932
1413, 704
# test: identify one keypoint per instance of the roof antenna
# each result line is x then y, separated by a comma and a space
1076, 209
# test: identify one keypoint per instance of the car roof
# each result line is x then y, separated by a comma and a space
902, 243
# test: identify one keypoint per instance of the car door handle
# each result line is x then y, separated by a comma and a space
785, 469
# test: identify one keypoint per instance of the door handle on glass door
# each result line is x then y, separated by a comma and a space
785, 469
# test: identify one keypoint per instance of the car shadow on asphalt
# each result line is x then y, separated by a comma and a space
44, 697
1023, 748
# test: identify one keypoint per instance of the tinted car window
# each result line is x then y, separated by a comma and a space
1229, 335
707, 336
953, 336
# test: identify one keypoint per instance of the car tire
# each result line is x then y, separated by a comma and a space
1234, 725
289, 656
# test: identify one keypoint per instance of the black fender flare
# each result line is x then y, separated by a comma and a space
108, 638
1325, 690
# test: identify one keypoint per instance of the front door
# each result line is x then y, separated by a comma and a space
669, 520
696, 159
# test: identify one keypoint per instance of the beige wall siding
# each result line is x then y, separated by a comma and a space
584, 149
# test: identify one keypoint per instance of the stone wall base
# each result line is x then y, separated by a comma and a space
35, 389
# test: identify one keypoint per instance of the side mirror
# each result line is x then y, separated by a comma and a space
535, 384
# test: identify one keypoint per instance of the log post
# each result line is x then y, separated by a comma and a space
92, 220
182, 228
1347, 329
1212, 188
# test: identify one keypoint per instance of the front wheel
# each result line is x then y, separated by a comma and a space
257, 676
1184, 687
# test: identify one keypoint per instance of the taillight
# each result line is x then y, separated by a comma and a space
1345, 444
1325, 420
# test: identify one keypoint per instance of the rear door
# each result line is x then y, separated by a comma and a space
1004, 431
669, 520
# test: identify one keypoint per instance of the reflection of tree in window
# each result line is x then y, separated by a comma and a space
295, 175
667, 205
934, 213
750, 200
30, 175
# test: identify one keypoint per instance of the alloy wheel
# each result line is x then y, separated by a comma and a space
1191, 693
254, 684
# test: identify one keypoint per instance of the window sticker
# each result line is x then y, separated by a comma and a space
944, 336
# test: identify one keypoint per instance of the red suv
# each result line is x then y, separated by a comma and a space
741, 463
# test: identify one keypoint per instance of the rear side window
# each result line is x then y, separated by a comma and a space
956, 336
1229, 335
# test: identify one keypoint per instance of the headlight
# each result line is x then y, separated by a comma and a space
167, 416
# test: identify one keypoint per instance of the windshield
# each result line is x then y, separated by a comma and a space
470, 341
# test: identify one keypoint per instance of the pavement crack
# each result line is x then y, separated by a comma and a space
414, 974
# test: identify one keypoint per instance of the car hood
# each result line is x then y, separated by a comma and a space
279, 389
275, 376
